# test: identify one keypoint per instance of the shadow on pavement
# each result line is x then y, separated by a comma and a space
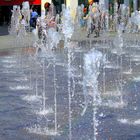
4, 30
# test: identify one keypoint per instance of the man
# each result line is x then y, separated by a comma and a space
34, 16
93, 18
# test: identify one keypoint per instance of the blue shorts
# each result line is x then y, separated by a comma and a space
82, 22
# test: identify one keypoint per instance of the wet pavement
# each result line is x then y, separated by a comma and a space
21, 97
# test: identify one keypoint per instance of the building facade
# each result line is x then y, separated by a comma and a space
18, 2
7, 5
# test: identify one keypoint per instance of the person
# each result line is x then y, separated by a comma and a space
84, 13
22, 24
46, 6
22, 21
90, 18
33, 20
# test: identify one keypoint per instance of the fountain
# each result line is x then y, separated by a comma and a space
44, 111
13, 29
26, 12
45, 45
67, 30
55, 97
74, 94
90, 83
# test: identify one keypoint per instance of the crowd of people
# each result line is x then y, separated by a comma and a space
94, 18
97, 17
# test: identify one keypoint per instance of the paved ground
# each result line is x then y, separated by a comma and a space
3, 30
81, 34
5, 39
19, 71
8, 41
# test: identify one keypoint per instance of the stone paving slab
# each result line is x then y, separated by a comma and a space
6, 41
9, 41
81, 35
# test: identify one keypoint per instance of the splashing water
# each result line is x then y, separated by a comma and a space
92, 63
67, 27
20, 88
129, 122
31, 98
37, 129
